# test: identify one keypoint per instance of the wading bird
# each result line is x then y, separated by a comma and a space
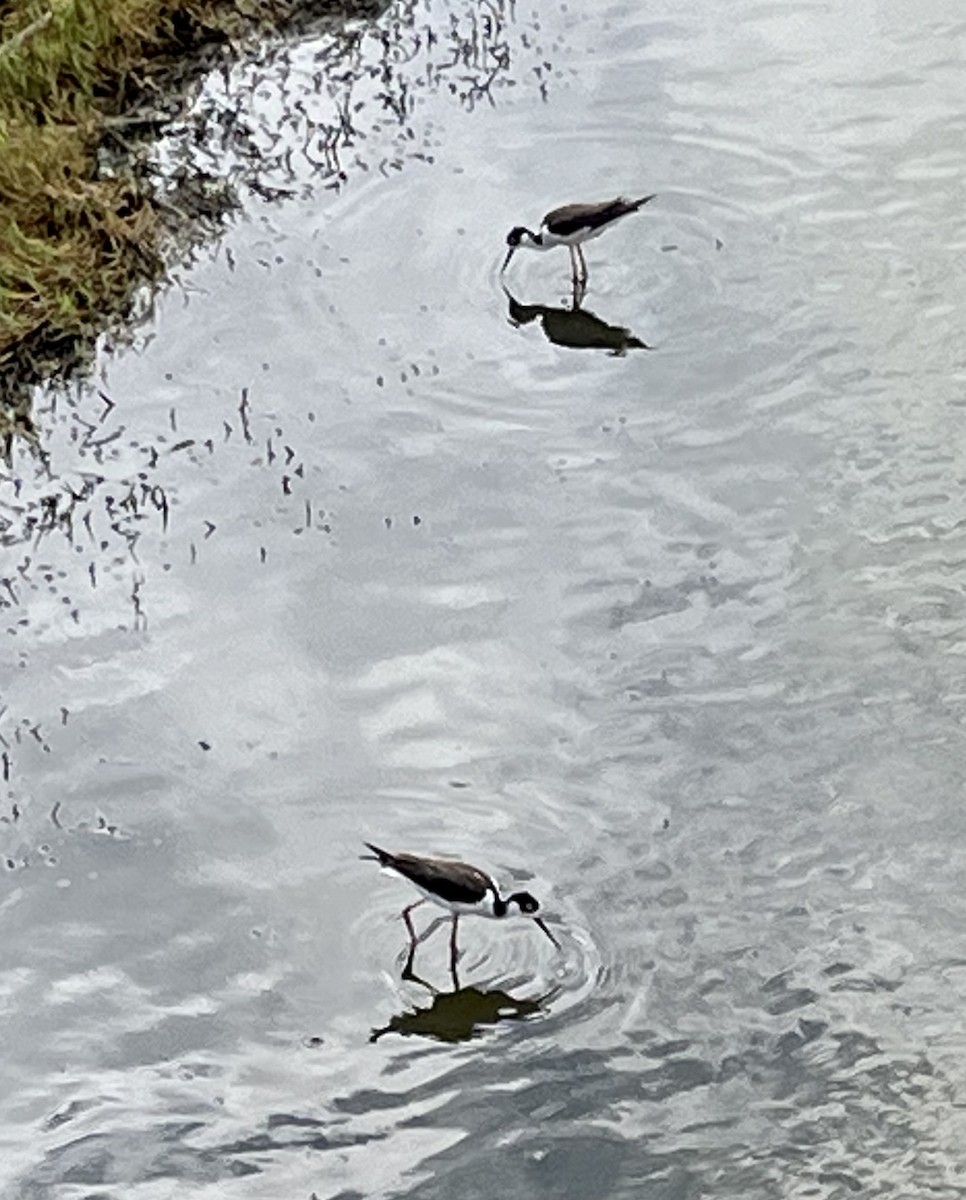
570, 226
462, 889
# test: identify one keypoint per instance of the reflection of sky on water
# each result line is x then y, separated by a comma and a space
671, 640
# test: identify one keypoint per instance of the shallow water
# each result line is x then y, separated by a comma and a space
672, 638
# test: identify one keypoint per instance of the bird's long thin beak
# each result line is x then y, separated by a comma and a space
540, 921
506, 261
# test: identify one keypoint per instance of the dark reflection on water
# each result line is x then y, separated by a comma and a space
459, 1015
575, 327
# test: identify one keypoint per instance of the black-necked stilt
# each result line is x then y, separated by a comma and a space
570, 226
462, 889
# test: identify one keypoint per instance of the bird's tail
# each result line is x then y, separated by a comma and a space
643, 200
380, 856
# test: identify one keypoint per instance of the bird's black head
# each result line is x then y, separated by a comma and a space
526, 903
515, 239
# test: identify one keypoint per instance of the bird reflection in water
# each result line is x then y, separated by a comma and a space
459, 1015
575, 326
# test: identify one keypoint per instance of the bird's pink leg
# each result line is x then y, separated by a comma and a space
405, 916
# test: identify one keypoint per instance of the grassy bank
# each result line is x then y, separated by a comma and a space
80, 230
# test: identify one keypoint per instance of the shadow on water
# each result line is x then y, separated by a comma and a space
575, 327
459, 1015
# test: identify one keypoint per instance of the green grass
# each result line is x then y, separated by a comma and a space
71, 242
76, 243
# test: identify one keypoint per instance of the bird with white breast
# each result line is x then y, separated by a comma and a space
459, 888
571, 226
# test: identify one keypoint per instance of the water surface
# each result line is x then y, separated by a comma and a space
671, 637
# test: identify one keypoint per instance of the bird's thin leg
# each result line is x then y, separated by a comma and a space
574, 269
583, 265
411, 977
407, 971
414, 939
409, 925
453, 952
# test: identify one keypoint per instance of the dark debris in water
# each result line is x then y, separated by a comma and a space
114, 493
69, 471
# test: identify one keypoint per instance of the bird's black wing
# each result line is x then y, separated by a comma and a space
574, 217
446, 878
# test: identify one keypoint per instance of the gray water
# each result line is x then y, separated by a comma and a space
674, 638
